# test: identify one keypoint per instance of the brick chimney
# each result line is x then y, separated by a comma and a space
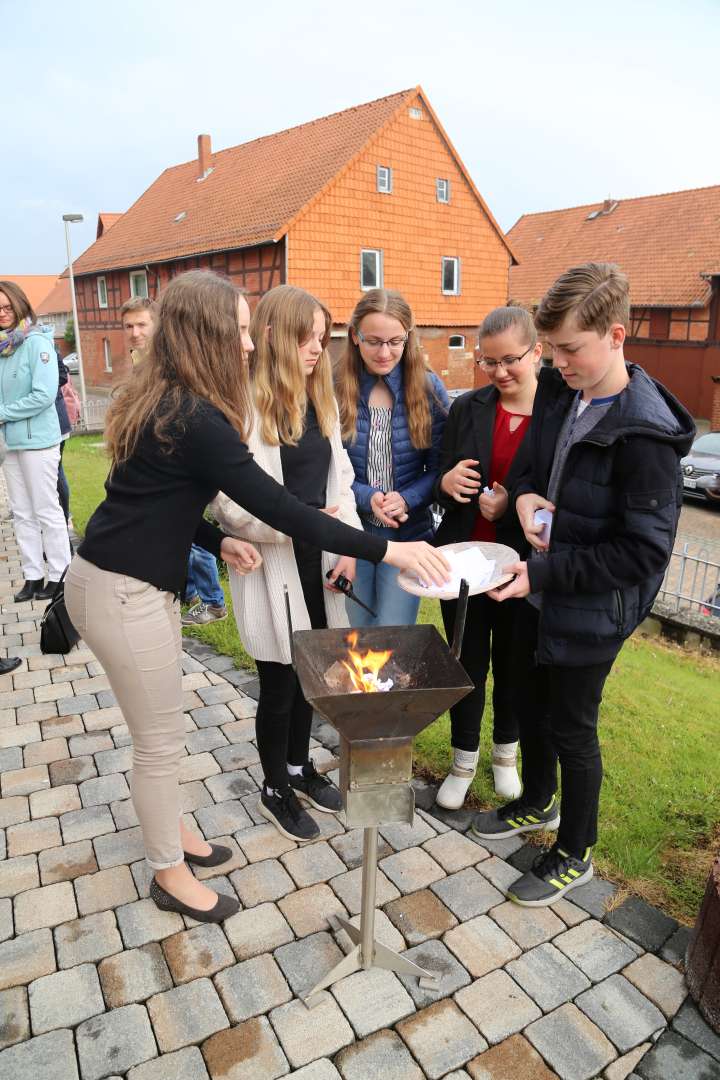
204, 156
715, 406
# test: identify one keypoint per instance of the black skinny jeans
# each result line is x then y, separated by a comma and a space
282, 723
558, 709
488, 637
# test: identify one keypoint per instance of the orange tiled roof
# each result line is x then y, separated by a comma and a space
664, 243
35, 286
250, 195
105, 223
57, 300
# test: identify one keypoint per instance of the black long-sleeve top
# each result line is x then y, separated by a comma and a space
153, 510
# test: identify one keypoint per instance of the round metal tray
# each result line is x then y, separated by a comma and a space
501, 553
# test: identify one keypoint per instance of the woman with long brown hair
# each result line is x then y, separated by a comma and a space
175, 435
392, 412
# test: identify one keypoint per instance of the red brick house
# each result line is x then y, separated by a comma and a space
373, 195
669, 246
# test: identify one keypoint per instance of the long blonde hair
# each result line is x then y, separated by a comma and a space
417, 387
281, 322
195, 352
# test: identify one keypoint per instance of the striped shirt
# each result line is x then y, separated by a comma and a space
379, 458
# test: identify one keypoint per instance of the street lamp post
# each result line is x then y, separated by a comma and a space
68, 218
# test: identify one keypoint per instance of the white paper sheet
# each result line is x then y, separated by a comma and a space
471, 565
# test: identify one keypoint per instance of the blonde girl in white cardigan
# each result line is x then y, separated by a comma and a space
296, 439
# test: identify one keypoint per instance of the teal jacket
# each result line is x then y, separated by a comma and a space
28, 387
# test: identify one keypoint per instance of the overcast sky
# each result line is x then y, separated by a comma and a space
549, 104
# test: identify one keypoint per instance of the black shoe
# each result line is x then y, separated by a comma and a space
29, 590
6, 666
554, 873
514, 818
223, 909
48, 592
317, 790
217, 856
287, 815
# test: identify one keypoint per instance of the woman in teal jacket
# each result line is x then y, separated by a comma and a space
29, 424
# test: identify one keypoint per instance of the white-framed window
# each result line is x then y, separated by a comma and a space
414, 113
102, 292
456, 341
107, 354
371, 269
383, 175
138, 283
451, 275
442, 190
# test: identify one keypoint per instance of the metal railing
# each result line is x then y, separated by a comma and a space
692, 582
95, 410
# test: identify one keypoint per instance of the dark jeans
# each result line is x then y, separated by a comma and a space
63, 486
282, 723
488, 636
558, 709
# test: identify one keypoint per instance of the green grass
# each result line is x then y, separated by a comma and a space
660, 808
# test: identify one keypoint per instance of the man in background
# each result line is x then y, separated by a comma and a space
138, 322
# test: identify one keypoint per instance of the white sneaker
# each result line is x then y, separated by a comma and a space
504, 767
452, 791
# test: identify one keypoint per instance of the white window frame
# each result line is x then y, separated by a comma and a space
378, 284
107, 354
133, 289
102, 289
442, 189
462, 341
384, 179
455, 260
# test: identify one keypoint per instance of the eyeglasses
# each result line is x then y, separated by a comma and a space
508, 363
377, 343
6, 309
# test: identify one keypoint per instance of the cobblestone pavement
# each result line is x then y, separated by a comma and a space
96, 982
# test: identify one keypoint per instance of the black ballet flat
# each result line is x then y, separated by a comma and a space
219, 855
223, 909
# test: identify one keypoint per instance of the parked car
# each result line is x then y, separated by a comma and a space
72, 363
700, 466
712, 604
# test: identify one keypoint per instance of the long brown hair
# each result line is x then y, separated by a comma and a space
281, 321
195, 352
417, 386
19, 302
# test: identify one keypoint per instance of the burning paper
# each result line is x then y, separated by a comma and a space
364, 669
469, 564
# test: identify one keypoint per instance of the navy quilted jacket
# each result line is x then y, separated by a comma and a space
414, 471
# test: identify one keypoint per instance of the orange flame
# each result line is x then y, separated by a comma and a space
364, 669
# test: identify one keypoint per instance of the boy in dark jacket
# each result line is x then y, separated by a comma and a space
604, 448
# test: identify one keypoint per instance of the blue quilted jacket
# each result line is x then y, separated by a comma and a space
414, 471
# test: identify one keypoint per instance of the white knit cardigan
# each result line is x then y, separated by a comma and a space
259, 598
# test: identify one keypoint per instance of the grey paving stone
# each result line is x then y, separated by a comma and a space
260, 882
249, 1051
80, 703
692, 1026
385, 933
674, 1058
220, 664
49, 905
64, 726
14, 1017
308, 910
26, 958
322, 1069
642, 923
663, 984
480, 945
33, 836
260, 842
312, 863
194, 795
454, 851
621, 1012
197, 953
186, 1015
238, 755
437, 959
570, 914
118, 848
675, 948
50, 1056
349, 847
306, 1034
87, 940
124, 815
304, 962
143, 921
527, 926
24, 781
112, 763
497, 1006
571, 1044
6, 919
19, 874
197, 767
204, 740
467, 894
595, 949
71, 771
401, 835
441, 1038
382, 1054
13, 810
257, 930
65, 998
548, 976
252, 987
225, 817
67, 862
106, 889
134, 975
372, 999
86, 824
54, 801
411, 869
250, 802
595, 896
104, 789
3, 845
419, 916
211, 715
348, 888
117, 1040
82, 745
185, 1064
230, 785
106, 699
11, 758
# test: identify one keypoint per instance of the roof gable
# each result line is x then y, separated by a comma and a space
666, 244
58, 300
35, 286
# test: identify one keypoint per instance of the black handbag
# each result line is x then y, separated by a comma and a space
57, 633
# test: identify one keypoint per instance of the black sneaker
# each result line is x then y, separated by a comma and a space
513, 818
317, 790
287, 815
554, 873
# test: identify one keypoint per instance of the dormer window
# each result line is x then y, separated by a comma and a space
384, 179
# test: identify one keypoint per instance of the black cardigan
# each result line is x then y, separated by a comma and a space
153, 510
469, 434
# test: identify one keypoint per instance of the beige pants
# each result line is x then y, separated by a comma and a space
134, 631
